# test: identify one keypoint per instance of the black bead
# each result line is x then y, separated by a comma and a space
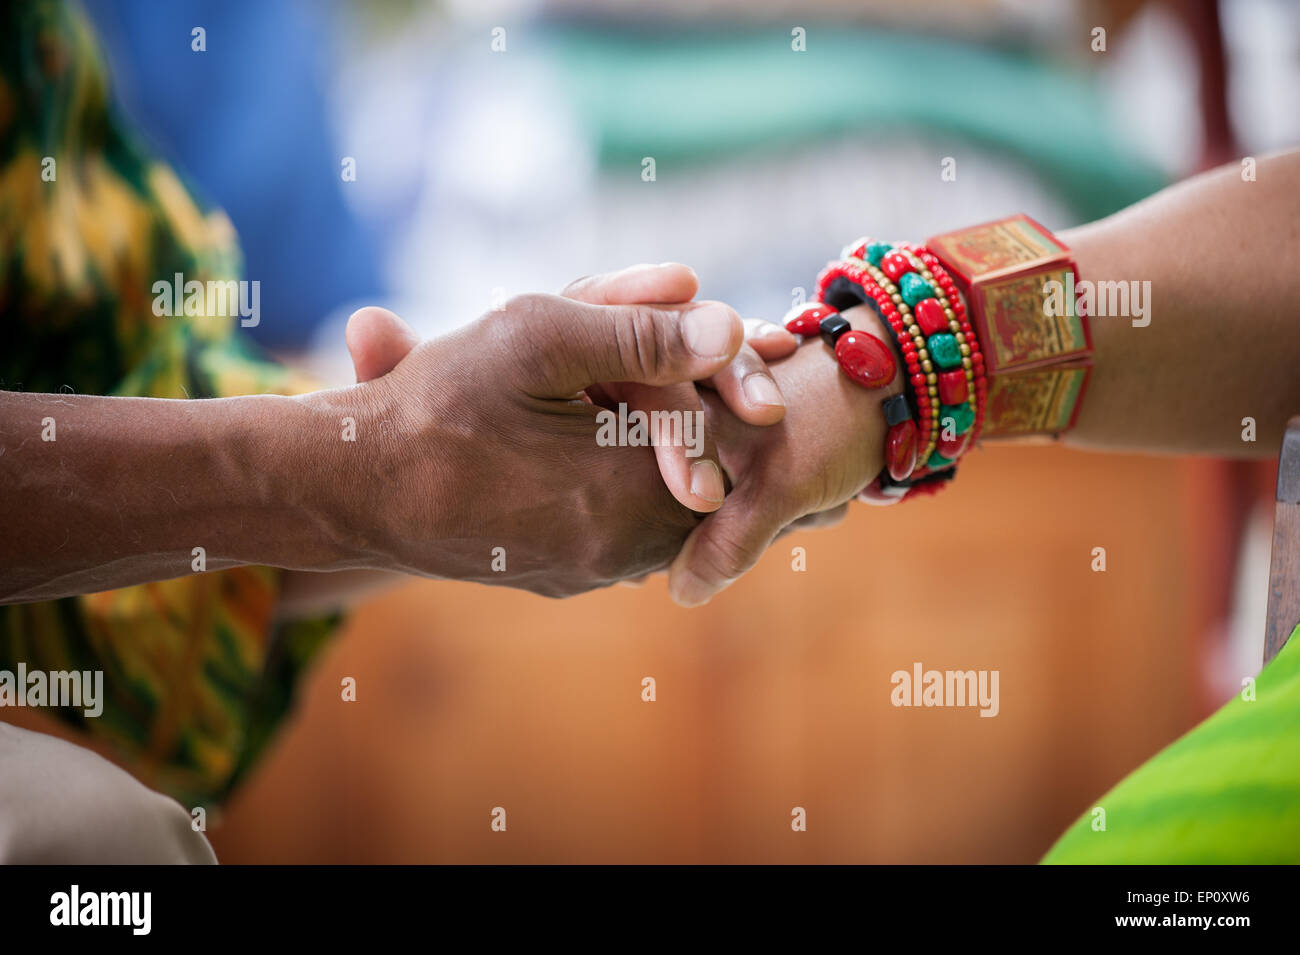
833, 326
896, 410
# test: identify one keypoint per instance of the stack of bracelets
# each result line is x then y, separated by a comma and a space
1042, 359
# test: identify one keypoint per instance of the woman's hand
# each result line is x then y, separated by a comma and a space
827, 448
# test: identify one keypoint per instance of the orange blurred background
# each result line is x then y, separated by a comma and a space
776, 695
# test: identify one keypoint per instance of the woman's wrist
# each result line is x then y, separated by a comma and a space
923, 334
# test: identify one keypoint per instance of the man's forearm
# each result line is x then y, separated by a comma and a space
107, 492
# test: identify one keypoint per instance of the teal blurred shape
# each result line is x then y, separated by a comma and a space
712, 92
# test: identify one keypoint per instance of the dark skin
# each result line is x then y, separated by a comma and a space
479, 440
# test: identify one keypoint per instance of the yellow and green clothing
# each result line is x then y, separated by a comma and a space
197, 671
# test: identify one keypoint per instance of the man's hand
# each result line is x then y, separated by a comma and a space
483, 441
744, 383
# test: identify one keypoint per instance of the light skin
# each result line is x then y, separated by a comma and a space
1223, 344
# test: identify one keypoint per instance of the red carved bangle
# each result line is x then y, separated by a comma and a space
937, 422
1038, 360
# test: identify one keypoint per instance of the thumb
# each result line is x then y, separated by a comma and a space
578, 345
377, 340
721, 548
667, 283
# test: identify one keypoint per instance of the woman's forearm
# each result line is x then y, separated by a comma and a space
1223, 342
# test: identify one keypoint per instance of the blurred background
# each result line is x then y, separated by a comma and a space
500, 147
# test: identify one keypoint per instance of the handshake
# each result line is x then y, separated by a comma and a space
501, 453
494, 454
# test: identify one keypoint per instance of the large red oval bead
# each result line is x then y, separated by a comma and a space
929, 315
865, 359
806, 319
900, 450
895, 265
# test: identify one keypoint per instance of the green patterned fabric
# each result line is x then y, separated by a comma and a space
1226, 793
198, 671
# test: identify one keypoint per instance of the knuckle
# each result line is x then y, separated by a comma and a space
642, 342
533, 314
526, 307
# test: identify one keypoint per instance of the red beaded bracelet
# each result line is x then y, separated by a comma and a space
863, 357
973, 371
933, 338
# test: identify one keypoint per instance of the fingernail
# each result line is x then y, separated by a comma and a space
706, 482
762, 390
687, 590
708, 330
767, 328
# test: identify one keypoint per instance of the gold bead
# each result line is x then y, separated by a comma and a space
932, 379
922, 354
965, 349
966, 363
926, 366
897, 299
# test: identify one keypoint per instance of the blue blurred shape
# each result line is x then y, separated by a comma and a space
246, 123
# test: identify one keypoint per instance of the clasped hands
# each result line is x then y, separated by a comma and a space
487, 438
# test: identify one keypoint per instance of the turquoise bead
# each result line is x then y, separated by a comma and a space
877, 251
944, 350
914, 288
962, 417
937, 461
